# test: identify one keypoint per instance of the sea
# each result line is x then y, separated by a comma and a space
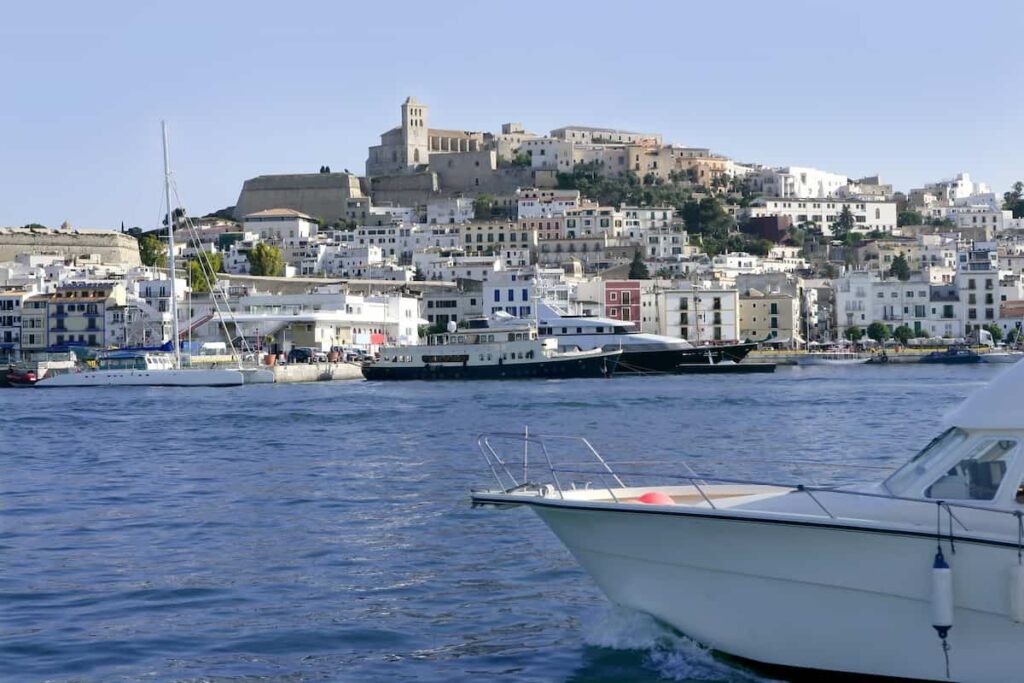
323, 532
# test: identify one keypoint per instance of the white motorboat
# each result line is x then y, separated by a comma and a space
1002, 356
833, 358
141, 368
919, 576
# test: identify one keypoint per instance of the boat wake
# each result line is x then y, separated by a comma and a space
672, 655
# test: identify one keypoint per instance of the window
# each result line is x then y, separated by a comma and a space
976, 477
497, 295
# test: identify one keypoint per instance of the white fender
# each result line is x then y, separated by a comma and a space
942, 596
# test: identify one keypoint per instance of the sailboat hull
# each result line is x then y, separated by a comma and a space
144, 378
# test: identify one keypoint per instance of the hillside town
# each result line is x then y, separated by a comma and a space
446, 225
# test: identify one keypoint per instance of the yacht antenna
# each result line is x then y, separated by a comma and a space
176, 335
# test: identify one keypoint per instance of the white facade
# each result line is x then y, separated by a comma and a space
699, 314
795, 182
451, 265
536, 203
281, 225
869, 216
549, 154
511, 292
454, 210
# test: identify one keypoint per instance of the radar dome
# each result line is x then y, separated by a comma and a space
452, 326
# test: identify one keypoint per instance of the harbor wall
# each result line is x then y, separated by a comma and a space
316, 372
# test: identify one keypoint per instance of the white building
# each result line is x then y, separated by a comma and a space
864, 297
328, 317
793, 182
869, 216
453, 265
699, 313
453, 210
512, 292
639, 221
281, 225
538, 203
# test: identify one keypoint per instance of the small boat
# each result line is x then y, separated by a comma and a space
18, 377
954, 355
140, 368
833, 358
917, 576
510, 351
1002, 356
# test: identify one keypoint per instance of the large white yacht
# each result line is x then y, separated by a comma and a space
503, 349
919, 576
141, 368
641, 352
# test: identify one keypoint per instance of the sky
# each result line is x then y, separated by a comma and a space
915, 91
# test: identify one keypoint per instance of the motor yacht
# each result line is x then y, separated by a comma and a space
919, 575
642, 353
509, 349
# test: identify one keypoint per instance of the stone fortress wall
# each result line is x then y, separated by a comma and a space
108, 245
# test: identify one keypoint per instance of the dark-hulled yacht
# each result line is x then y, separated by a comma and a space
508, 350
642, 353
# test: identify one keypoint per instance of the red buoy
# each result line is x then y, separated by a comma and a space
656, 498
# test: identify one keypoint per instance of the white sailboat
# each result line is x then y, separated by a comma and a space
149, 367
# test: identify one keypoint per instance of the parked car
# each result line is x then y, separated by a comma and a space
300, 354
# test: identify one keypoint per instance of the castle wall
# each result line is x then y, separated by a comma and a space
321, 195
110, 246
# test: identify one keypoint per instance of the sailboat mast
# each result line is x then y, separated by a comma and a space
176, 335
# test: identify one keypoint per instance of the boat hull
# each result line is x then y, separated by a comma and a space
144, 378
667, 360
803, 360
952, 360
590, 366
725, 369
798, 594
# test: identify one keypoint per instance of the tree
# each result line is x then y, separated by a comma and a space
903, 334
34, 226
522, 159
845, 223
900, 268
909, 217
198, 271
1012, 335
265, 259
152, 251
418, 275
854, 333
1014, 200
878, 331
637, 268
483, 207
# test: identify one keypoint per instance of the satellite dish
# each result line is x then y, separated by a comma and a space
452, 326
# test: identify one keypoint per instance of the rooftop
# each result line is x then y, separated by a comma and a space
278, 213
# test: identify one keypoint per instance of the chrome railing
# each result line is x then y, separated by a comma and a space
513, 474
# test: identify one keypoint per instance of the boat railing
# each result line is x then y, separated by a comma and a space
512, 470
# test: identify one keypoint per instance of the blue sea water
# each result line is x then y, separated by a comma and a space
322, 532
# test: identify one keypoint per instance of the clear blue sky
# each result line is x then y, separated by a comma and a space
916, 91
